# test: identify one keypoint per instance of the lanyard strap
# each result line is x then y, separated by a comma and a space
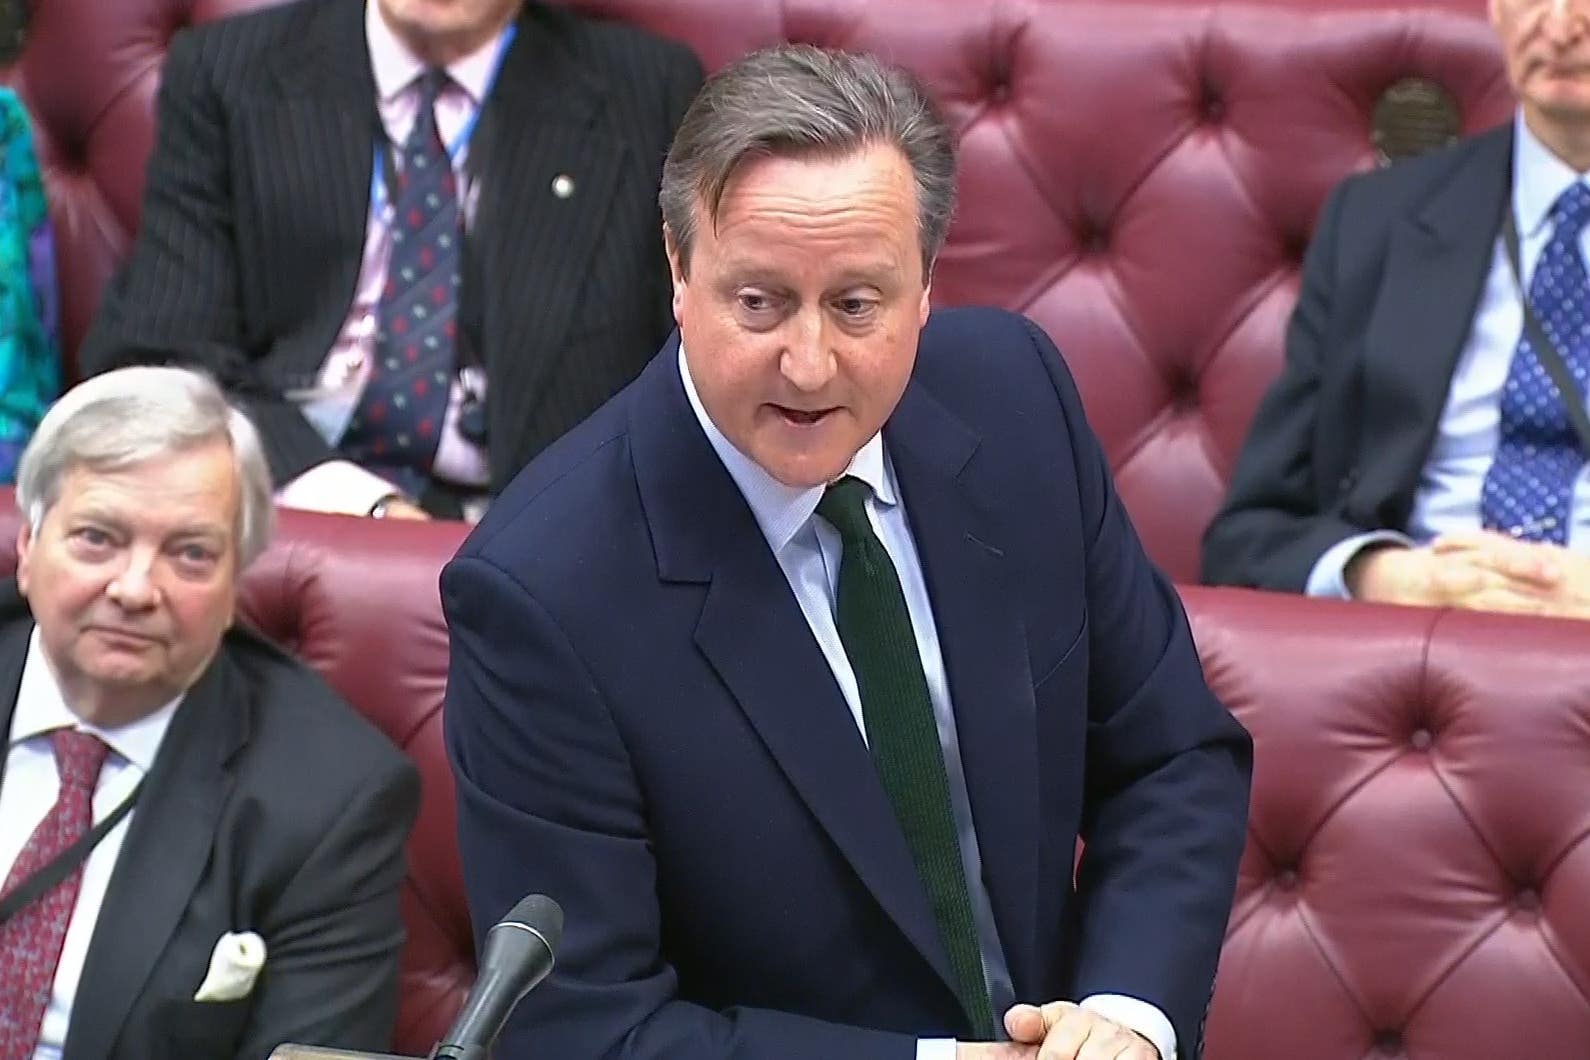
382, 173
1550, 358
66, 862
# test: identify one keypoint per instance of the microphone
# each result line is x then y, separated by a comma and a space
519, 952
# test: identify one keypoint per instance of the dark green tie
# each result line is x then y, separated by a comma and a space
902, 733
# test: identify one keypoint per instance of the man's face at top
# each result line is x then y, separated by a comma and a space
1546, 45
443, 30
802, 307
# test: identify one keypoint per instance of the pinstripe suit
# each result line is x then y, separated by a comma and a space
255, 214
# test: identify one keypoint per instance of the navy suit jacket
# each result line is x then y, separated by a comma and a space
643, 727
1390, 287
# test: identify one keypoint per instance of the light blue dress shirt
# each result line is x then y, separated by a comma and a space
1447, 500
808, 551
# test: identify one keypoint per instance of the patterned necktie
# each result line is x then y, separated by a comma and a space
398, 421
30, 942
1529, 488
902, 734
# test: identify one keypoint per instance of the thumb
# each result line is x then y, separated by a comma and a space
1024, 1023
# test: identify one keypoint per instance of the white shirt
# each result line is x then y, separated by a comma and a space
28, 791
1447, 499
808, 551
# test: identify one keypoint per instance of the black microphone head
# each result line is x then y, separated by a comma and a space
540, 914
519, 952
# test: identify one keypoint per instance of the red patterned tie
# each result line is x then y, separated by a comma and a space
30, 942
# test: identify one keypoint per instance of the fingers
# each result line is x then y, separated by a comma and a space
1531, 563
1111, 1041
1070, 1032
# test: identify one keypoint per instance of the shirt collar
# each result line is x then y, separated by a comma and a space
396, 67
41, 708
1539, 179
781, 511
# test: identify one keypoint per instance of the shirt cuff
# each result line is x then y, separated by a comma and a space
935, 1049
338, 486
1136, 1015
1328, 579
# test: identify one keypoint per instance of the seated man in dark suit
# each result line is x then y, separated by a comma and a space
417, 240
798, 670
241, 828
1415, 448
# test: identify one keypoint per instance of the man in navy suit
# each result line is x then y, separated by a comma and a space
1385, 462
796, 672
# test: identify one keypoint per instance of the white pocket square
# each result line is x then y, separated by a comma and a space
234, 966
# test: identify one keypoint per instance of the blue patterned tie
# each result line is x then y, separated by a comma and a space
1529, 488
398, 421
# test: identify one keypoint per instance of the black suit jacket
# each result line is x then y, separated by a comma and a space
258, 198
1390, 288
271, 807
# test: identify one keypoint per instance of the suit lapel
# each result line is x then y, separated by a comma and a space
542, 122
162, 859
704, 532
983, 644
321, 129
1435, 269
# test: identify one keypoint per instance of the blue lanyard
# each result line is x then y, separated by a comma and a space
378, 185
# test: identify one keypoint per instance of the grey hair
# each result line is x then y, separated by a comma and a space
797, 99
122, 418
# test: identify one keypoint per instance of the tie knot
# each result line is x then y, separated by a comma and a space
78, 758
432, 81
1571, 210
844, 504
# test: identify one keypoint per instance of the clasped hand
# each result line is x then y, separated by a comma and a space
1060, 1030
1480, 571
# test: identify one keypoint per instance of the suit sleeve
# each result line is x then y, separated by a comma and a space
333, 937
1271, 530
178, 299
548, 802
1168, 769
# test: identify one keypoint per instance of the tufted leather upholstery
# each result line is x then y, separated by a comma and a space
1417, 864
1141, 176
1415, 877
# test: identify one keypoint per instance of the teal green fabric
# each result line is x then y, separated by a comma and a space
875, 628
30, 361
